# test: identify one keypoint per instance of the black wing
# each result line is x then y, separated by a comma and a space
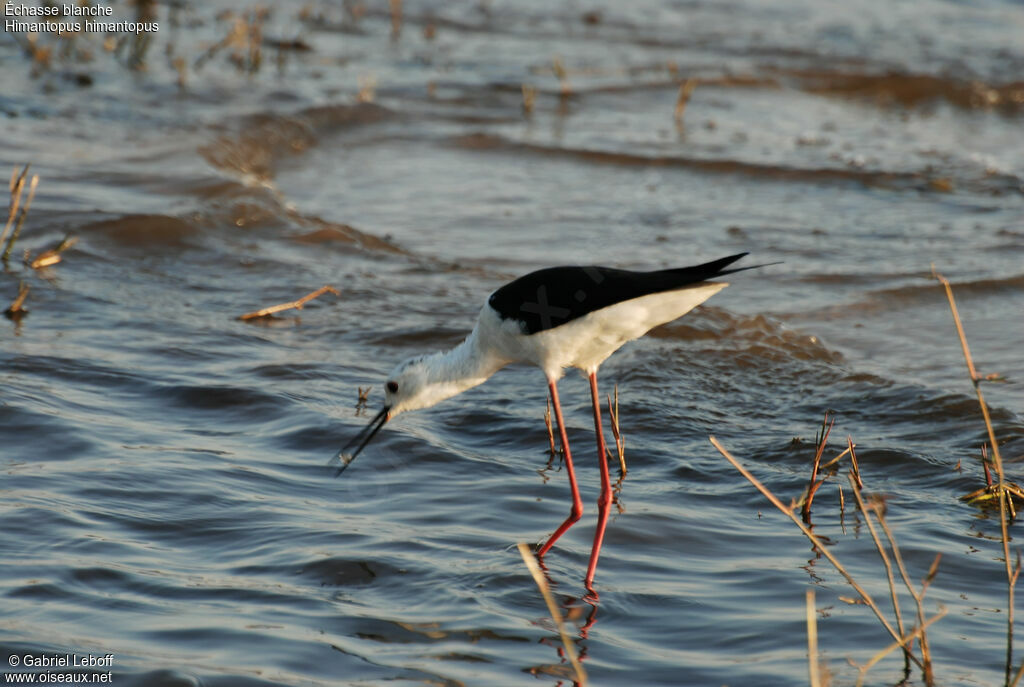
548, 298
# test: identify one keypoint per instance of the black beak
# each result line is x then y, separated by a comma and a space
362, 439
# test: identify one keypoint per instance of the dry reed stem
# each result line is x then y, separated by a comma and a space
814, 484
551, 431
853, 461
902, 642
685, 91
182, 70
291, 304
556, 615
814, 540
364, 396
17, 306
529, 98
998, 461
836, 459
563, 76
620, 441
881, 552
984, 464
396, 18
17, 186
812, 641
1016, 678
367, 88
926, 656
52, 256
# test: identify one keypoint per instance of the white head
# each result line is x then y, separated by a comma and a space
421, 382
416, 383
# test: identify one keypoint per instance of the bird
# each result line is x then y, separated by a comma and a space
554, 318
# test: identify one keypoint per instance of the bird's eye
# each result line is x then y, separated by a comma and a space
392, 387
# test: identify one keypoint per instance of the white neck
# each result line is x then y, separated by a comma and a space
451, 372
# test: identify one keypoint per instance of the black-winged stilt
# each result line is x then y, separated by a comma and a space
554, 318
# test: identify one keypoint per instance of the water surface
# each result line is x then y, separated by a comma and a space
165, 491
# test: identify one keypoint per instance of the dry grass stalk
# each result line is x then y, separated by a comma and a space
815, 483
51, 256
265, 312
976, 380
883, 555
17, 307
855, 467
396, 18
17, 185
899, 643
16, 209
556, 615
364, 396
926, 656
245, 38
620, 441
865, 597
529, 98
563, 76
182, 69
685, 91
551, 431
367, 88
812, 641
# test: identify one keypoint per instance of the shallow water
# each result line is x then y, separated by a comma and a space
165, 493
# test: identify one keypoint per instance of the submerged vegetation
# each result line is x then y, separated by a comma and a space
872, 510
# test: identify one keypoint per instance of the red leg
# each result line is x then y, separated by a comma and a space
605, 499
577, 502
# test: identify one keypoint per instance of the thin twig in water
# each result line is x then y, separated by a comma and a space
812, 641
997, 460
685, 91
926, 656
882, 554
396, 18
556, 615
367, 88
17, 184
529, 98
291, 304
620, 441
564, 88
815, 483
51, 256
551, 431
814, 540
364, 396
902, 642
853, 462
836, 459
17, 307
1016, 678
